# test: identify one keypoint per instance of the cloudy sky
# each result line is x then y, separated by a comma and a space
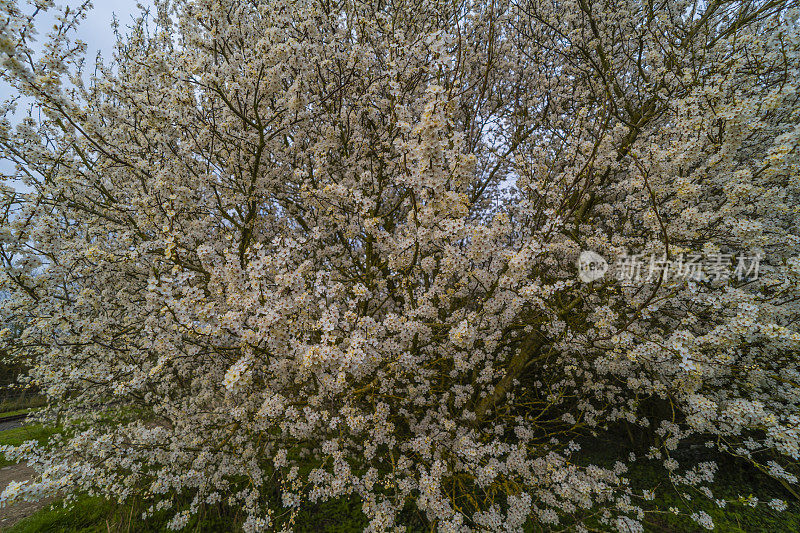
95, 31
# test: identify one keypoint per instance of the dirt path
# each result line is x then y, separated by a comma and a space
11, 425
14, 513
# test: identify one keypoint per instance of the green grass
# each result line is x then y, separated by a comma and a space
734, 479
87, 514
97, 515
17, 412
21, 405
342, 515
94, 514
16, 436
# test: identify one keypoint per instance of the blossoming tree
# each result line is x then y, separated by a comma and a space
265, 256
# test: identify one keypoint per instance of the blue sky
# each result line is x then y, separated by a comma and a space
95, 31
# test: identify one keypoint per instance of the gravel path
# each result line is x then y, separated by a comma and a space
20, 472
14, 513
11, 424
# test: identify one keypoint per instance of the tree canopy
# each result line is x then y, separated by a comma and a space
315, 248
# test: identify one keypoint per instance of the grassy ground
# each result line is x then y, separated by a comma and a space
20, 405
734, 481
17, 412
92, 514
96, 515
16, 436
